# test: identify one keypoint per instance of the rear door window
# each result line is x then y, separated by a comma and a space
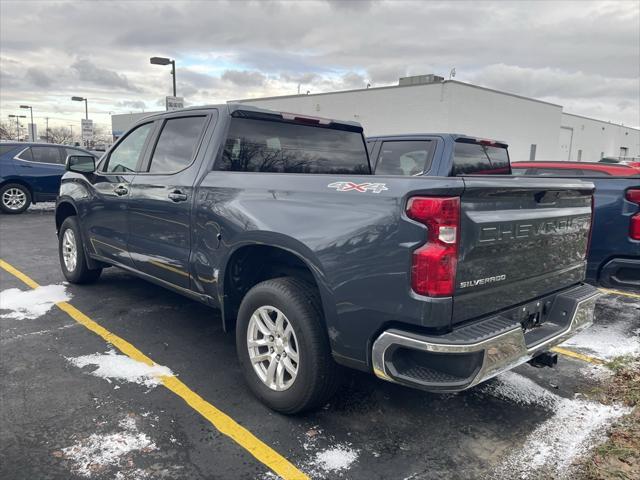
281, 147
46, 155
177, 144
405, 157
478, 159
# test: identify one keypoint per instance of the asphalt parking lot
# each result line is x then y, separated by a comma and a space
74, 407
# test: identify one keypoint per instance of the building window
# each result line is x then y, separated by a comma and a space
532, 152
579, 155
624, 151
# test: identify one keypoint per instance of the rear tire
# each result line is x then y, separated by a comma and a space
72, 256
304, 384
14, 198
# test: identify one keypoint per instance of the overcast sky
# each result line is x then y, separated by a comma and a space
583, 55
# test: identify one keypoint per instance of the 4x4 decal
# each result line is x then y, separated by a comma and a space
358, 187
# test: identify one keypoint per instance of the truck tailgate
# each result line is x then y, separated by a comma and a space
521, 238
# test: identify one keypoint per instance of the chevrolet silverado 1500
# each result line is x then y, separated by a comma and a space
437, 283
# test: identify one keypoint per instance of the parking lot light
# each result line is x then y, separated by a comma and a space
32, 129
86, 107
17, 117
166, 61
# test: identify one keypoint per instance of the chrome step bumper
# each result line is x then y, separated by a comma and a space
449, 363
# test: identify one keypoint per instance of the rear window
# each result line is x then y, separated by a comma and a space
405, 157
280, 147
477, 159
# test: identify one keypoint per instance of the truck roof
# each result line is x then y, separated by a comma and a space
452, 136
249, 111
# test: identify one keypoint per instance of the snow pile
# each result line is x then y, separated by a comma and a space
43, 207
111, 365
31, 304
575, 426
336, 459
97, 452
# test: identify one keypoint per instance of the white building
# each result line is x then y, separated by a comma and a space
427, 104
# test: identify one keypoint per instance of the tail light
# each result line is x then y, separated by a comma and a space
433, 270
633, 195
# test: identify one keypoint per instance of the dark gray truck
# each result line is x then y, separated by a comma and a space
436, 283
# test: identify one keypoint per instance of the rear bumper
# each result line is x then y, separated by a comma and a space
474, 353
621, 273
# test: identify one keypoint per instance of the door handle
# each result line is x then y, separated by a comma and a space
121, 190
178, 196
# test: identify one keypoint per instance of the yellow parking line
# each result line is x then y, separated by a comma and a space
618, 292
579, 356
220, 420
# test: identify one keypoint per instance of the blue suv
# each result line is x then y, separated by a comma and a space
31, 172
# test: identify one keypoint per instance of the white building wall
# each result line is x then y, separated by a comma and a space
448, 107
518, 121
387, 110
595, 138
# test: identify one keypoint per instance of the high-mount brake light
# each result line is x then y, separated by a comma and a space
633, 195
488, 143
433, 269
293, 117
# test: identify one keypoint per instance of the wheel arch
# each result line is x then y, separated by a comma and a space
64, 209
253, 262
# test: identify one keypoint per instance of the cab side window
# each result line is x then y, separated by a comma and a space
177, 144
125, 157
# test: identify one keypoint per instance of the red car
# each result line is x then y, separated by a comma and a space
575, 169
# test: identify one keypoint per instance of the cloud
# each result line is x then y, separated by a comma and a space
38, 77
244, 78
583, 55
135, 104
87, 71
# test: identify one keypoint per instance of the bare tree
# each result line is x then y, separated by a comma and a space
6, 132
60, 135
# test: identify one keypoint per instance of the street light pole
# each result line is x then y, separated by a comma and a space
71, 127
86, 106
17, 117
32, 129
166, 61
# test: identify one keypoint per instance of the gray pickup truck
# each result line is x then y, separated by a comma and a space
437, 283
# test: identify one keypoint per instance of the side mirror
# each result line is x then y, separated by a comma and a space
80, 164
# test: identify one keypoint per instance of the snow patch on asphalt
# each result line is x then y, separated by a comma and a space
610, 340
43, 206
97, 452
113, 366
575, 426
31, 304
335, 459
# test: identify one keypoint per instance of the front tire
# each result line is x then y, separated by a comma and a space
14, 198
283, 346
71, 253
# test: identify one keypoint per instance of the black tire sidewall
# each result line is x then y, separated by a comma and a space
27, 195
304, 321
81, 274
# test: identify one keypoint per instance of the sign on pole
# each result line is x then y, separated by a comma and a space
175, 103
87, 129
